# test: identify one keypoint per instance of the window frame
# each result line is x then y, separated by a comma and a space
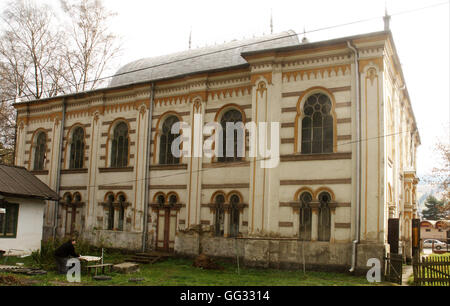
222, 136
75, 150
115, 162
4, 220
167, 138
38, 156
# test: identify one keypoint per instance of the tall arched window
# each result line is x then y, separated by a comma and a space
234, 215
317, 125
39, 152
110, 203
166, 156
119, 148
233, 138
122, 200
161, 200
77, 149
219, 216
305, 216
173, 199
324, 217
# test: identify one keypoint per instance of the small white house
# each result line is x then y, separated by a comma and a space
22, 201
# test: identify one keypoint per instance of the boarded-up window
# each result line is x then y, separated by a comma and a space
317, 125
119, 148
166, 156
219, 216
305, 216
8, 220
324, 217
234, 215
231, 137
39, 153
77, 149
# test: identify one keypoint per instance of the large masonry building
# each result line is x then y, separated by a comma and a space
347, 150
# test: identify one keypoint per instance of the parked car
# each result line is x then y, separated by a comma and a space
437, 244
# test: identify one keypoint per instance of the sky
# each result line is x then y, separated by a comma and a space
153, 28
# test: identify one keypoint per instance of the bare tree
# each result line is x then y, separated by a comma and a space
93, 45
442, 175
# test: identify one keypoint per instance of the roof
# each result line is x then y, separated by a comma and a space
216, 57
17, 181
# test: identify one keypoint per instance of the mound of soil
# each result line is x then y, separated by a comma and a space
9, 280
204, 262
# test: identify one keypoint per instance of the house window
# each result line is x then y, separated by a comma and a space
173, 199
305, 216
324, 217
77, 149
166, 156
110, 207
161, 200
219, 216
317, 125
119, 149
234, 215
39, 153
233, 138
8, 220
122, 200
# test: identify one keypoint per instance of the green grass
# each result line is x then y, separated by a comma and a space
180, 272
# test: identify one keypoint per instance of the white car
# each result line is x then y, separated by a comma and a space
437, 244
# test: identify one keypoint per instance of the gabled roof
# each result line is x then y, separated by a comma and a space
18, 182
217, 57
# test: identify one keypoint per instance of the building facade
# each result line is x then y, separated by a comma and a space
347, 158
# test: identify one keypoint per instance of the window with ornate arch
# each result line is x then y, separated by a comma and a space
40, 151
231, 138
317, 125
219, 214
166, 156
121, 199
110, 208
305, 216
324, 217
119, 146
234, 215
77, 149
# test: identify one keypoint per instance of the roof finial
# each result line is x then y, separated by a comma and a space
386, 17
304, 39
271, 22
190, 38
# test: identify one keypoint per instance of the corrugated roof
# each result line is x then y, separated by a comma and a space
203, 59
17, 181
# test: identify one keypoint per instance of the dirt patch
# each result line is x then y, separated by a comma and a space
204, 262
9, 280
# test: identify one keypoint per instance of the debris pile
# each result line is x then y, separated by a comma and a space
9, 280
204, 262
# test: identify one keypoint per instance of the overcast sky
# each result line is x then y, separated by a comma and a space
152, 28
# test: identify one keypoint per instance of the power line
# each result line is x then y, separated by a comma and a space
236, 47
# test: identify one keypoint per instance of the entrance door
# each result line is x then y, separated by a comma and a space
167, 220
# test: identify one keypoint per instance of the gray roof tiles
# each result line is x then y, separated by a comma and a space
203, 59
17, 181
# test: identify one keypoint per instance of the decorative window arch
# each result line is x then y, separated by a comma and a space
160, 199
305, 216
234, 215
166, 156
324, 216
219, 224
232, 115
77, 148
40, 151
317, 124
120, 145
110, 208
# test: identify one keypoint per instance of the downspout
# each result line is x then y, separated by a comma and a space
58, 167
358, 158
15, 138
147, 169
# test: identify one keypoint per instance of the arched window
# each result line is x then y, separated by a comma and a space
305, 216
317, 125
324, 217
68, 198
77, 149
119, 148
233, 138
110, 203
173, 199
219, 216
122, 200
234, 215
161, 200
166, 156
39, 152
77, 198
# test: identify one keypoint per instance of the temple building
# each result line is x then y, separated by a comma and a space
347, 153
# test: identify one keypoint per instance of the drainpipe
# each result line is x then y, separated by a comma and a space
15, 139
58, 167
147, 170
358, 157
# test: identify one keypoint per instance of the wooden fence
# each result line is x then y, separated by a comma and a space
432, 271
